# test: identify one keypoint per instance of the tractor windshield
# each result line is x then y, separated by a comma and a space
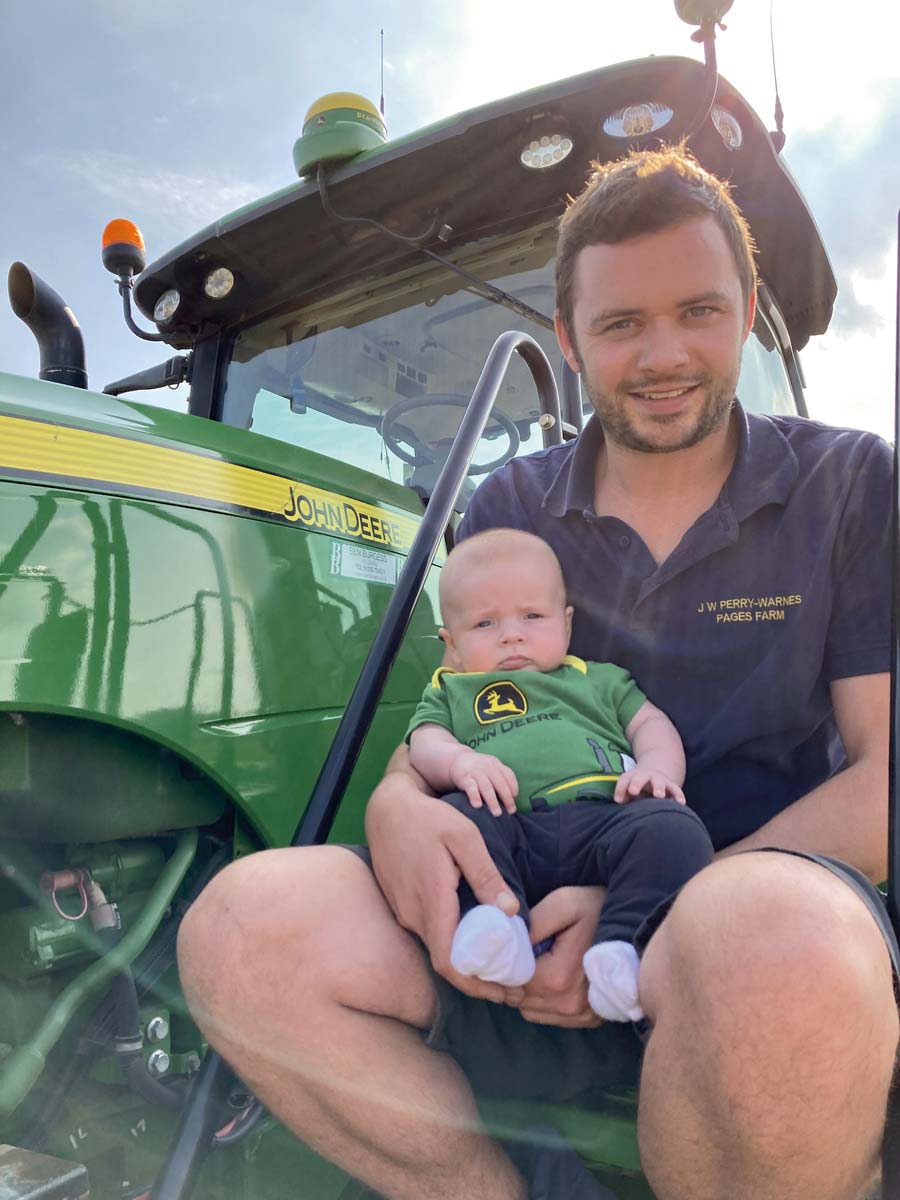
378, 375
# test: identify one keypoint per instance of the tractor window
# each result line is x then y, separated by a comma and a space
378, 376
764, 385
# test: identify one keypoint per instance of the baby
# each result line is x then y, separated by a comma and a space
546, 752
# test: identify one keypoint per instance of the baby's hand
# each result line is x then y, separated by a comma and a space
644, 781
485, 780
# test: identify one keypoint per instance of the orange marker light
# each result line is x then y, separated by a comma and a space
123, 248
121, 230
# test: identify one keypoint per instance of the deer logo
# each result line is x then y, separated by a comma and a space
499, 700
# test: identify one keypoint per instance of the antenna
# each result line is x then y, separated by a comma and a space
382, 72
777, 134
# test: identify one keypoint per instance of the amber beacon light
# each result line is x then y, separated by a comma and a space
123, 251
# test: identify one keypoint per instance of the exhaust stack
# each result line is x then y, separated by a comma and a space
53, 324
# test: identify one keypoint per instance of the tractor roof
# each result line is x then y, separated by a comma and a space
465, 172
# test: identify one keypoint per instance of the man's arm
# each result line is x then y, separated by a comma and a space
846, 816
420, 848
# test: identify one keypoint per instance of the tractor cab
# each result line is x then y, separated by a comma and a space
214, 626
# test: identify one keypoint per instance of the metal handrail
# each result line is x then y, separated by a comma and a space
315, 824
195, 1128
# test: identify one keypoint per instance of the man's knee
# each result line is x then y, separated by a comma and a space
775, 974
777, 925
307, 922
245, 920
265, 897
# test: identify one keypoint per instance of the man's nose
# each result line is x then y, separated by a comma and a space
663, 348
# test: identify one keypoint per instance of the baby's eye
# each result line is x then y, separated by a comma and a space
534, 616
485, 624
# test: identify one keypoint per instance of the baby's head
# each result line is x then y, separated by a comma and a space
503, 603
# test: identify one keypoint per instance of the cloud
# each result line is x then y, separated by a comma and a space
851, 179
852, 316
184, 199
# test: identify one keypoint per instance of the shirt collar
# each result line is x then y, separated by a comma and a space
765, 467
764, 472
573, 484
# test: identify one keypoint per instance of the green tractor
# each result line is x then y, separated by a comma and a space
214, 626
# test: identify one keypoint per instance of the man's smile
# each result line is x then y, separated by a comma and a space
664, 401
663, 394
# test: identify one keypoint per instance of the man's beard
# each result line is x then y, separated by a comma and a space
621, 428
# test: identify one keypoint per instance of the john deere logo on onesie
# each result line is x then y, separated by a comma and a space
498, 701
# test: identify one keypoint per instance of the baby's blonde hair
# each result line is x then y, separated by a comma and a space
493, 548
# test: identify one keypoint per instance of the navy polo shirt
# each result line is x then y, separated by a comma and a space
778, 588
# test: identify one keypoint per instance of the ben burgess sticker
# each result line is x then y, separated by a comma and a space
358, 562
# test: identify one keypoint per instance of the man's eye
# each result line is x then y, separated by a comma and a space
700, 310
621, 326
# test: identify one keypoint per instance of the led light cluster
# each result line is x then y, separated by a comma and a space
727, 125
546, 151
218, 283
637, 120
166, 306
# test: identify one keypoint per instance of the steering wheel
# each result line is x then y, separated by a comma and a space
424, 454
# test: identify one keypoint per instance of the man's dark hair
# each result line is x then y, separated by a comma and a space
648, 191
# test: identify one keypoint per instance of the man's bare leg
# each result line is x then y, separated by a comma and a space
767, 1073
300, 977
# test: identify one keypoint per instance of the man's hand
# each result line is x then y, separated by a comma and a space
557, 994
645, 781
484, 779
420, 847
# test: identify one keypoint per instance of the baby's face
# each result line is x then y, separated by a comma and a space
508, 617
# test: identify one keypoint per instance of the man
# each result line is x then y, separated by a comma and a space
682, 525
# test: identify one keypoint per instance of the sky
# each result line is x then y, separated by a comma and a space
175, 112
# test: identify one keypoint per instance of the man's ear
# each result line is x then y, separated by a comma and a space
751, 313
565, 343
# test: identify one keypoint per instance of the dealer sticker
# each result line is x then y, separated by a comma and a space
358, 562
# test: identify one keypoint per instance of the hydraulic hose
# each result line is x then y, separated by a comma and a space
135, 1071
23, 1067
103, 1023
129, 1042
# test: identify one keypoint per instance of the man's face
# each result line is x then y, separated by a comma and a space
659, 322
